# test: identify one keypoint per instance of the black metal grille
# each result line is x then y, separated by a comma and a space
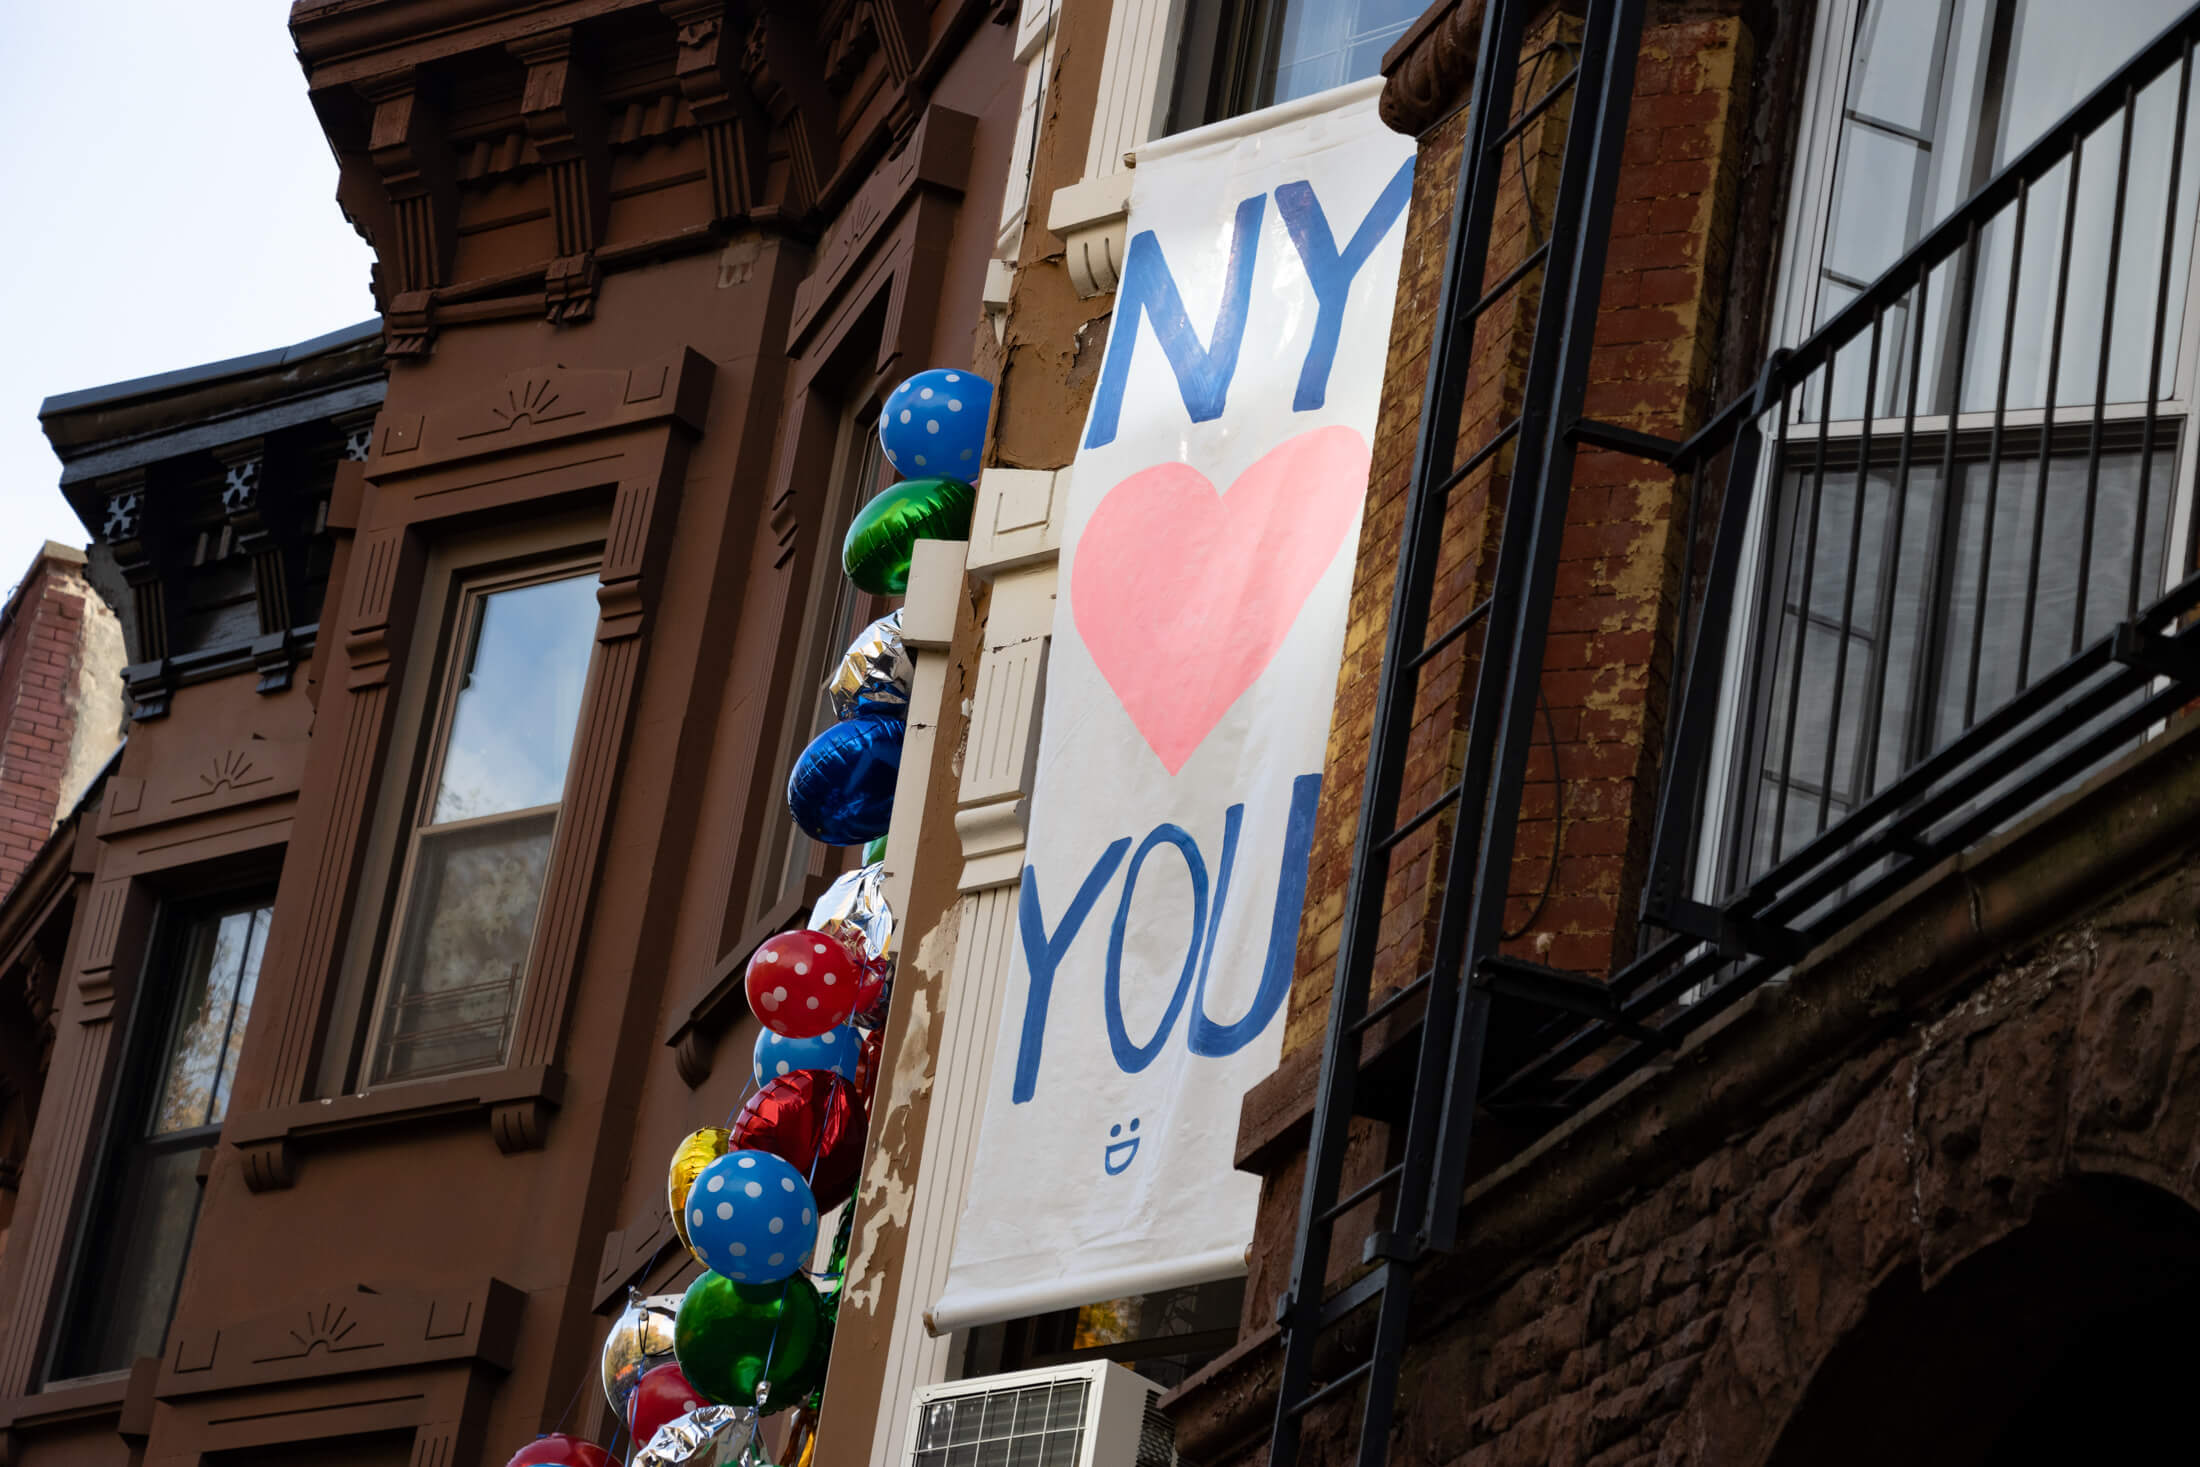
1943, 527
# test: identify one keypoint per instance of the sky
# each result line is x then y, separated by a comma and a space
166, 199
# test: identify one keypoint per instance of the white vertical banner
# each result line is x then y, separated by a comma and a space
1205, 574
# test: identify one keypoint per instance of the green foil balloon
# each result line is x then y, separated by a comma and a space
875, 852
726, 1332
811, 1380
886, 531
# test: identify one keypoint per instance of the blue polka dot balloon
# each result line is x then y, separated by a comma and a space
839, 1049
751, 1217
935, 424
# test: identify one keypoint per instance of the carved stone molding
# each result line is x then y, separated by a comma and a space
132, 529
936, 157
783, 68
370, 1327
1092, 217
630, 1255
267, 523
736, 133
1428, 72
411, 153
565, 122
1017, 521
543, 404
515, 1102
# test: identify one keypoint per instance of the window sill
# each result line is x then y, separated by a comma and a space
515, 1102
125, 1396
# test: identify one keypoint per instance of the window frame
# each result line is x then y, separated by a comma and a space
141, 1064
1225, 60
456, 566
1723, 863
462, 631
776, 888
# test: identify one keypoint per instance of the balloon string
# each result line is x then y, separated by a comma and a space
566, 1418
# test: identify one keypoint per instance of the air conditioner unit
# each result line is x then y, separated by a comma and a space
1097, 1414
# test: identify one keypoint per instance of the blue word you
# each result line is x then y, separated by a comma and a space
1044, 950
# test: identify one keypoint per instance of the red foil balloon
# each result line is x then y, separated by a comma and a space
559, 1450
802, 983
664, 1393
812, 1120
867, 1068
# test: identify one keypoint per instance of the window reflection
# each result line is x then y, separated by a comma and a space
478, 861
192, 1014
1326, 43
512, 727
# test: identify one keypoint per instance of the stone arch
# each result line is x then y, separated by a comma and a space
2047, 1116
2071, 1332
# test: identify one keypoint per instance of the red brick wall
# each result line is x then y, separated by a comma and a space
1592, 770
41, 651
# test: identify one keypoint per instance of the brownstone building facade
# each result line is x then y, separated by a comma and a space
1829, 1062
469, 651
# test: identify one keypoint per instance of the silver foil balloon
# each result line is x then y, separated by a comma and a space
708, 1436
640, 1338
874, 672
854, 911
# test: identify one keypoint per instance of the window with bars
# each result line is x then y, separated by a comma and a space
191, 1014
1994, 471
477, 853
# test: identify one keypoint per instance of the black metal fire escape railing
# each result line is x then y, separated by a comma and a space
1933, 599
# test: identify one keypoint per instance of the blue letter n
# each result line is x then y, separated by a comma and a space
1148, 291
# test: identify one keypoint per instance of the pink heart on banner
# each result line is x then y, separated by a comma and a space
1184, 595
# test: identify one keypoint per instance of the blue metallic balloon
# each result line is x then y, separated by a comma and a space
934, 423
752, 1217
839, 1049
841, 791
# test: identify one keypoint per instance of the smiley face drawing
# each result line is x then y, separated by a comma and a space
1128, 1147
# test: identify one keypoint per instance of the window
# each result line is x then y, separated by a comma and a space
790, 857
1996, 475
1165, 1336
478, 847
191, 1015
1242, 55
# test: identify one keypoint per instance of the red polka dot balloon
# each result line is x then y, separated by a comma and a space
802, 983
663, 1395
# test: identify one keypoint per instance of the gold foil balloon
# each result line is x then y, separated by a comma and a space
696, 1152
640, 1339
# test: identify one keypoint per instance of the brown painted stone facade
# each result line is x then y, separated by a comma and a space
642, 269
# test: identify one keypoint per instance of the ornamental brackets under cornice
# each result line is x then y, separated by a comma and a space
565, 121
782, 63
411, 153
131, 527
736, 134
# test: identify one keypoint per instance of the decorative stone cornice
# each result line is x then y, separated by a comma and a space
1426, 74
